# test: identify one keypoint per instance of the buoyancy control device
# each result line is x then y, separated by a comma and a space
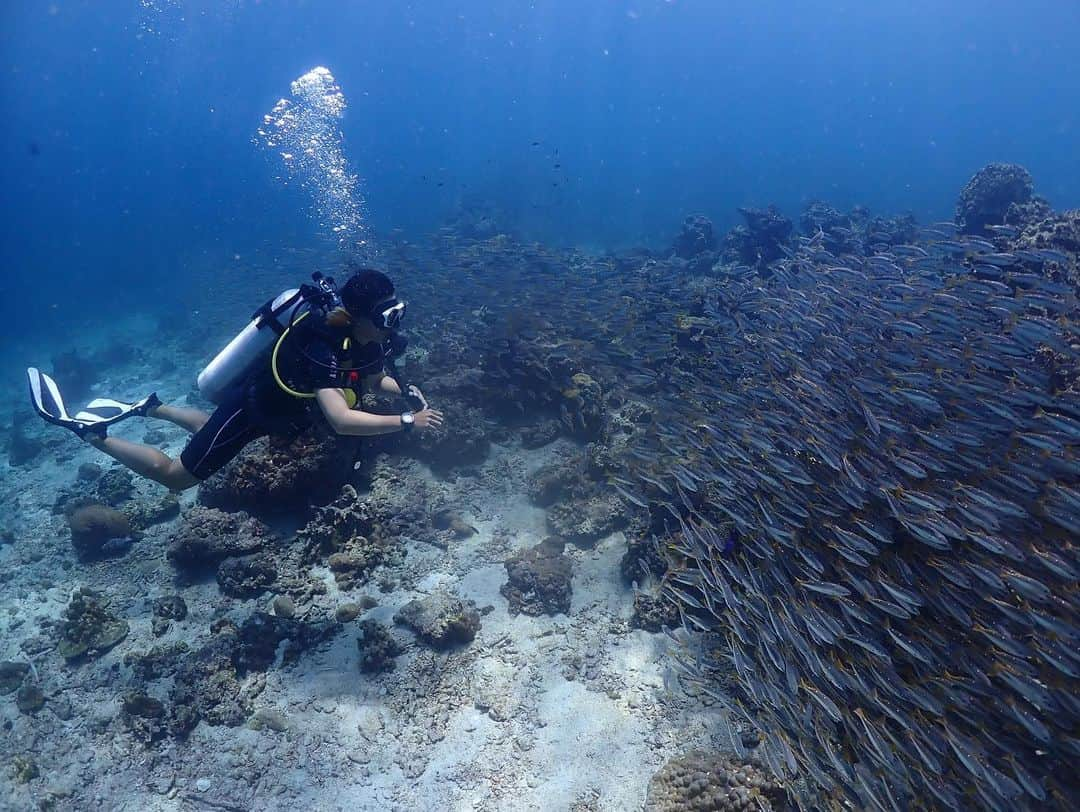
253, 344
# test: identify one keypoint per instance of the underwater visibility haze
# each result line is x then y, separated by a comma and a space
630, 404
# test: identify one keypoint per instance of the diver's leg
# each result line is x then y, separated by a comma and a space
190, 419
146, 461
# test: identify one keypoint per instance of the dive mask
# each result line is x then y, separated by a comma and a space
388, 316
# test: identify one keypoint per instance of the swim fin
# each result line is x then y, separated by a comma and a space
95, 417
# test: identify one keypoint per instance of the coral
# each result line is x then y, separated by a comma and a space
115, 486
759, 241
89, 472
464, 445
557, 480
277, 474
170, 607
283, 606
157, 662
695, 237
145, 513
29, 698
642, 560
12, 675
539, 579
988, 195
267, 719
24, 769
377, 647
353, 563
711, 781
207, 536
654, 613
585, 521
89, 628
205, 687
144, 716
348, 612
359, 533
540, 434
93, 526
1025, 214
246, 576
441, 619
449, 520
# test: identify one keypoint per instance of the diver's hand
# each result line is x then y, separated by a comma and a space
413, 391
427, 418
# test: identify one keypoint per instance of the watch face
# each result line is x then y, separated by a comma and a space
407, 417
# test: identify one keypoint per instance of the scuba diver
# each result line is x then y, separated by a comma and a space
313, 345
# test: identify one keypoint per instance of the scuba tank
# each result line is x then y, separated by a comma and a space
251, 345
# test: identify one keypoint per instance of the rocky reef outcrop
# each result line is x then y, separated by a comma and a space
986, 198
441, 619
207, 536
539, 579
278, 474
759, 241
89, 628
711, 781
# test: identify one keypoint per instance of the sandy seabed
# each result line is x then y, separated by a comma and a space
553, 712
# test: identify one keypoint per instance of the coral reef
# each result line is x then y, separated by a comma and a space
94, 526
29, 698
143, 716
557, 480
441, 620
247, 576
277, 474
585, 521
986, 198
376, 647
166, 609
711, 781
760, 240
207, 536
89, 628
444, 449
540, 434
539, 579
696, 237
653, 613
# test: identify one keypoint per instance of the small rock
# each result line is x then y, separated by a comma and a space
170, 607
268, 719
348, 612
441, 619
283, 606
11, 675
203, 784
30, 699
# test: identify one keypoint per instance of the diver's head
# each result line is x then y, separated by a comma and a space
369, 306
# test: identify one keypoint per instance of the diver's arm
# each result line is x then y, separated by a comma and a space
353, 422
384, 383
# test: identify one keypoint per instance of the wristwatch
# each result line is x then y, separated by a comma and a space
407, 421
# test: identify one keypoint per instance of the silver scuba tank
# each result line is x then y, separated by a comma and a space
251, 345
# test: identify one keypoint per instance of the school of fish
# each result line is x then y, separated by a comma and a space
860, 477
885, 435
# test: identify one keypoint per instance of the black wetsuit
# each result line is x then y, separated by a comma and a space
313, 359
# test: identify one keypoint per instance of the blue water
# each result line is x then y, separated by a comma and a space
130, 177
